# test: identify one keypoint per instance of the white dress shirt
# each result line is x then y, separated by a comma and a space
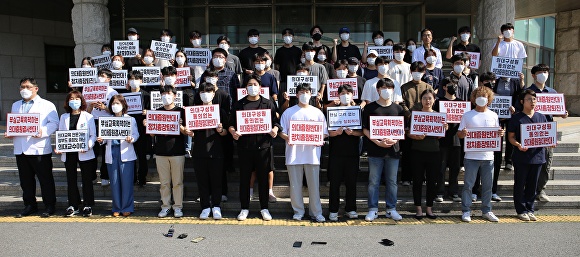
29, 145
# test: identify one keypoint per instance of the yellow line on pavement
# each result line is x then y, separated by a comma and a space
567, 124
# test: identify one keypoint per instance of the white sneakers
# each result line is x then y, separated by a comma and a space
439, 198
266, 215
297, 217
105, 182
532, 216
333, 216
352, 215
320, 218
217, 213
372, 215
177, 213
490, 216
243, 215
163, 213
466, 217
524, 217
204, 214
496, 198
393, 215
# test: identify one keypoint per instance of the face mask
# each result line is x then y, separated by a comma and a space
170, 80
117, 108
25, 93
106, 52
417, 75
309, 56
134, 83
117, 65
508, 33
196, 42
302, 60
268, 63
458, 69
353, 68
379, 41
382, 69
74, 104
304, 98
102, 80
260, 66
371, 60
180, 60
211, 80
253, 40
542, 77
288, 40
345, 99
302, 73
317, 36
411, 48
206, 97
399, 56
465, 37
167, 99
341, 74
431, 59
224, 46
165, 39
86, 66
321, 57
489, 85
386, 94
253, 90
132, 37
481, 101
218, 62
148, 60
344, 36
452, 89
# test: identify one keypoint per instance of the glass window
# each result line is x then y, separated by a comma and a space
136, 9
447, 6
298, 18
535, 28
402, 20
521, 30
58, 60
361, 21
184, 20
444, 27
549, 31
148, 30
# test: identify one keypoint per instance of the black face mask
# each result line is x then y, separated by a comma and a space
452, 89
317, 36
489, 85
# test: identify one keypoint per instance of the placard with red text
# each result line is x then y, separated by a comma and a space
202, 116
392, 127
550, 104
22, 124
539, 134
163, 122
95, 92
454, 110
482, 140
428, 123
333, 84
254, 121
303, 132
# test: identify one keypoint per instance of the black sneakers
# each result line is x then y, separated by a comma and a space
87, 212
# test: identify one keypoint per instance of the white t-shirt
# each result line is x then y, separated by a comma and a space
302, 154
99, 113
475, 119
370, 91
513, 49
419, 55
400, 72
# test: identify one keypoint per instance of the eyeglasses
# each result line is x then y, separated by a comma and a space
27, 87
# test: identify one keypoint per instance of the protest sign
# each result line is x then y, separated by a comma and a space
333, 84
151, 75
79, 77
96, 92
254, 121
114, 127
294, 80
501, 105
386, 51
538, 134
474, 58
264, 92
306, 132
550, 104
102, 62
157, 103
506, 67
119, 80
344, 116
183, 75
454, 110
72, 141
22, 124
198, 56
392, 127
134, 103
163, 51
126, 48
428, 123
482, 140
163, 122
202, 116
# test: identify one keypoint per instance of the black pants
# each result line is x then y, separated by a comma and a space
259, 161
450, 157
228, 146
406, 160
88, 172
545, 173
141, 149
100, 150
208, 172
343, 168
41, 167
525, 183
426, 165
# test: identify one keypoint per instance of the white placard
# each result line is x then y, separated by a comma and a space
183, 75
126, 48
151, 75
68, 141
254, 121
264, 92
102, 62
550, 104
114, 127
454, 110
332, 86
79, 77
163, 122
157, 103
482, 140
22, 124
198, 56
474, 58
163, 51
134, 102
344, 116
539, 134
202, 116
306, 133
295, 80
386, 51
119, 80
95, 92
392, 127
428, 123
506, 67
501, 106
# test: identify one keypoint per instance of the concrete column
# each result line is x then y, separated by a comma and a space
90, 23
567, 70
491, 14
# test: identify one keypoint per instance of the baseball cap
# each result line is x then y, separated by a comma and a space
353, 60
344, 30
132, 30
373, 52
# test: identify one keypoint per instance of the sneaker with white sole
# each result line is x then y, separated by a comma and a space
217, 213
333, 216
105, 182
509, 167
70, 212
466, 217
543, 197
224, 198
524, 217
393, 215
473, 197
490, 216
352, 215
496, 198
406, 183
462, 169
243, 215
87, 211
456, 198
372, 215
177, 212
320, 218
532, 216
297, 216
163, 213
439, 198
205, 214
266, 215
272, 198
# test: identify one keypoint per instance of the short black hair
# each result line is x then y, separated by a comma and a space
487, 76
29, 79
381, 60
425, 30
221, 38
463, 30
210, 73
389, 40
301, 66
385, 82
169, 70
206, 87
398, 47
378, 33
346, 87
460, 57
418, 65
167, 89
252, 76
303, 86
105, 71
428, 91
338, 63
88, 59
287, 30
308, 47
540, 67
135, 74
194, 34
259, 57
220, 50
106, 47
316, 27
166, 32
523, 94
506, 27
449, 80
253, 32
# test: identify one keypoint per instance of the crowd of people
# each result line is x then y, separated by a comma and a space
412, 81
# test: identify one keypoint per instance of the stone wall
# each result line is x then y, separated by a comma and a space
567, 70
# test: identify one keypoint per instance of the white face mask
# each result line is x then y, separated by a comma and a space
371, 60
321, 57
169, 81
132, 37
383, 69
481, 101
134, 83
253, 90
260, 66
304, 98
268, 63
399, 56
508, 33
345, 99
288, 39
542, 77
117, 65
180, 60
253, 40
386, 94
106, 52
431, 59
211, 80
302, 73
165, 39
411, 48
86, 66
458, 69
196, 42
224, 46
309, 56
465, 37
116, 108
206, 97
148, 60
417, 75
74, 104
167, 99
344, 36
353, 68
25, 93
341, 74
379, 41
302, 60
218, 62
101, 79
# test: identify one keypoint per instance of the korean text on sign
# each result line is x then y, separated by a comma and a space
102, 62
95, 92
157, 103
454, 110
126, 48
392, 127
482, 140
428, 123
333, 84
202, 116
501, 105
162, 50
473, 57
163, 122
119, 79
306, 133
293, 81
151, 75
183, 75
344, 116
506, 67
386, 51
264, 92
254, 121
198, 56
550, 104
538, 134
72, 141
79, 77
114, 127
134, 103
22, 124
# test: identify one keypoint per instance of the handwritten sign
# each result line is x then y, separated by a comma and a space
333, 85
382, 127
163, 122
501, 105
114, 127
79, 77
506, 67
22, 124
550, 104
538, 134
306, 132
428, 123
198, 56
72, 141
183, 75
202, 116
264, 92
119, 80
454, 110
95, 92
344, 116
473, 58
482, 140
151, 75
126, 48
134, 103
102, 62
386, 51
162, 50
294, 80
254, 121
157, 103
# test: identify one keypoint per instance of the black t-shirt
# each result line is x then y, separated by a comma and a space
375, 109
146, 103
74, 120
451, 138
534, 155
246, 56
468, 48
171, 145
221, 97
255, 141
287, 59
207, 143
344, 53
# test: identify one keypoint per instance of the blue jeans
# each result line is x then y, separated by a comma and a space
387, 167
485, 169
121, 175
